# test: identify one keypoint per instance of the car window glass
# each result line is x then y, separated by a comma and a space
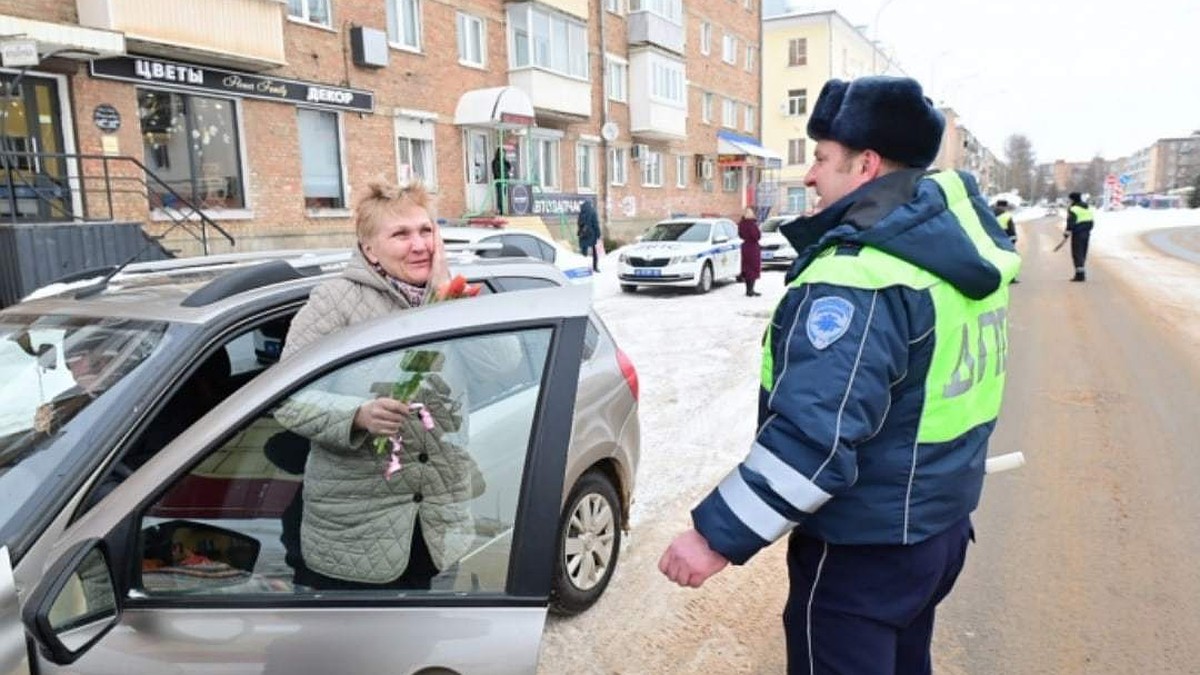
682, 231
531, 247
298, 501
548, 252
526, 283
591, 339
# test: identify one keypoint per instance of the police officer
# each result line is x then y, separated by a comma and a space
882, 375
1003, 213
1079, 229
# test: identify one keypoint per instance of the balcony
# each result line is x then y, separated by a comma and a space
554, 94
650, 28
657, 96
241, 34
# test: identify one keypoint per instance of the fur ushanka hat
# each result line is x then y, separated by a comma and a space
889, 115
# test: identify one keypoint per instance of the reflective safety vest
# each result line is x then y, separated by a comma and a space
1082, 214
965, 381
1005, 219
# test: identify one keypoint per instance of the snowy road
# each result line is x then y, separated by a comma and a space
1065, 540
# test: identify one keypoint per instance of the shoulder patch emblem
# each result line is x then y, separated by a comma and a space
828, 320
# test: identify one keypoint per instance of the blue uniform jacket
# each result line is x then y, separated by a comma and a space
835, 455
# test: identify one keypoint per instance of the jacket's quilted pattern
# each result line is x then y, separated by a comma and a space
356, 525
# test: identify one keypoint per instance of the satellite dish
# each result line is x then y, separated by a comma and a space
609, 131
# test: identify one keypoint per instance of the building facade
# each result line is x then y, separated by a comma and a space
271, 116
801, 51
964, 151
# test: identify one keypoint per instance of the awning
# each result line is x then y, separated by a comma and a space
500, 107
729, 143
79, 42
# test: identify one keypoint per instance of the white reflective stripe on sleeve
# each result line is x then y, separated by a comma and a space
756, 514
787, 482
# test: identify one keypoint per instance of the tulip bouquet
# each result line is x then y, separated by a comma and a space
417, 365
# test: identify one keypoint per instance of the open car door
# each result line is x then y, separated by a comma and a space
268, 537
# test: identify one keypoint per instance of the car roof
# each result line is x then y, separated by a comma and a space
686, 220
196, 290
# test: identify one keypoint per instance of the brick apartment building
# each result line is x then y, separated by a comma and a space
272, 115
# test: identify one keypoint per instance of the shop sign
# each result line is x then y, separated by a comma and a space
545, 203
219, 81
731, 160
106, 118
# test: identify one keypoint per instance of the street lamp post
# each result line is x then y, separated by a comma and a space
875, 38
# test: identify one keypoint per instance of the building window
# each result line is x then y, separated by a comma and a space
613, 6
652, 169
414, 151
729, 113
617, 166
404, 23
796, 200
681, 171
751, 58
751, 113
472, 43
320, 159
192, 144
796, 151
729, 48
547, 40
729, 179
314, 11
798, 52
705, 38
667, 81
797, 102
618, 79
545, 163
585, 167
672, 10
706, 109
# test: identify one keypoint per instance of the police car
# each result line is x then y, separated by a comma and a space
509, 243
777, 251
689, 252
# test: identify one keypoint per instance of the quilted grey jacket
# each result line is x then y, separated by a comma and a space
356, 525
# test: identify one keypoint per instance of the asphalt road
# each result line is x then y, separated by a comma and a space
1087, 559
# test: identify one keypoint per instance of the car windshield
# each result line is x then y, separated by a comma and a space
678, 232
52, 369
772, 224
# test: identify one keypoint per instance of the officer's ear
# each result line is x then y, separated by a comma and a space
871, 164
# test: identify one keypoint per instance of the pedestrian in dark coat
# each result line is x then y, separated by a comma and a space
751, 251
589, 233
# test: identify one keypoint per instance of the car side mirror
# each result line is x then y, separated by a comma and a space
720, 239
74, 605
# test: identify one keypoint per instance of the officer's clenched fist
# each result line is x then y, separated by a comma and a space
688, 561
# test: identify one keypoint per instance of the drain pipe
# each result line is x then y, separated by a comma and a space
604, 178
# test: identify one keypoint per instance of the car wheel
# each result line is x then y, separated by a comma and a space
706, 279
589, 540
628, 288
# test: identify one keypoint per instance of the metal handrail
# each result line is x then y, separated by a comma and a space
180, 217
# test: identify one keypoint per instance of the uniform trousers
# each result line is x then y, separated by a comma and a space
869, 609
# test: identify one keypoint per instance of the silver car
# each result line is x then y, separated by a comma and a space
150, 521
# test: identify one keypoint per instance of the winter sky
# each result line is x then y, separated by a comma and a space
1078, 77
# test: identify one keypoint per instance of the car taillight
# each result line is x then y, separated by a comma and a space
629, 372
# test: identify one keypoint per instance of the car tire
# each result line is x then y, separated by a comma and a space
589, 542
706, 279
628, 288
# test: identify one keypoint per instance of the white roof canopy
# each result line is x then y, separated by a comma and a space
500, 107
77, 42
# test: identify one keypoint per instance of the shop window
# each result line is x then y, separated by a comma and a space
729, 179
545, 163
313, 11
191, 143
404, 23
321, 159
415, 151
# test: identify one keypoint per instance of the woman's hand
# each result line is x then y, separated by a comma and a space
381, 416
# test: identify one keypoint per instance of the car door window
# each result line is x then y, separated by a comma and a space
531, 246
299, 501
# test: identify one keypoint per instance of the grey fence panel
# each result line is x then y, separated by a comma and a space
34, 255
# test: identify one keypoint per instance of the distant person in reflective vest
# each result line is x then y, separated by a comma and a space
1079, 228
1003, 212
881, 382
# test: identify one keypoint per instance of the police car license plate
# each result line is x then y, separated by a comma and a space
647, 273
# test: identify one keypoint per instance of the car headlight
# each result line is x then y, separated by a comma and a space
623, 258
